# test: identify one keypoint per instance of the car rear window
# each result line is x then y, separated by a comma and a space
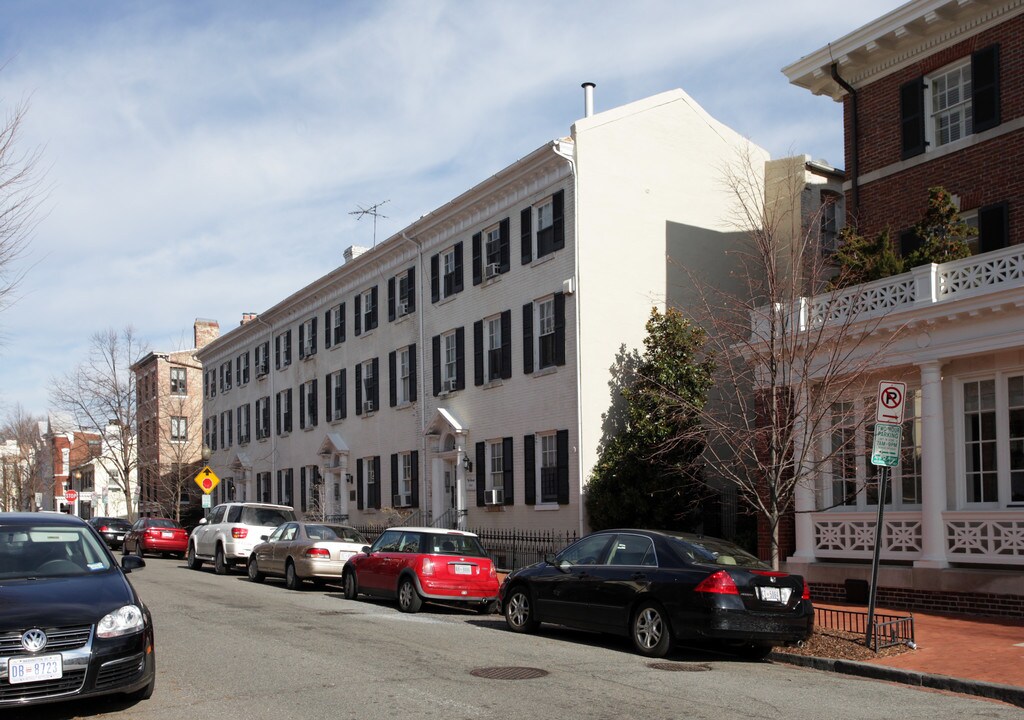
265, 517
335, 532
445, 544
160, 523
717, 552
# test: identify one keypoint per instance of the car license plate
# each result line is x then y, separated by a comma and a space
770, 594
119, 537
461, 569
167, 534
34, 669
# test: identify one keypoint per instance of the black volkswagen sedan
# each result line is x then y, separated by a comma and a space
71, 625
658, 587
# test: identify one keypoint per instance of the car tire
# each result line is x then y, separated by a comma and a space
351, 587
191, 560
519, 615
409, 601
650, 631
292, 581
144, 693
139, 551
220, 565
254, 572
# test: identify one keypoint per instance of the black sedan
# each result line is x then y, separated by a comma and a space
657, 587
111, 529
71, 624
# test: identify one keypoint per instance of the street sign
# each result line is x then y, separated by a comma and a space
206, 480
207, 504
891, 397
70, 495
885, 450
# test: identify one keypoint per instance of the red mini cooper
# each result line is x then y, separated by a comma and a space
424, 564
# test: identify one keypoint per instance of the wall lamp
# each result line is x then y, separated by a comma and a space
467, 463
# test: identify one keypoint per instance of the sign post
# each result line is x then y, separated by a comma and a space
206, 480
885, 454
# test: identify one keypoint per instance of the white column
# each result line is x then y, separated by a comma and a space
803, 493
933, 469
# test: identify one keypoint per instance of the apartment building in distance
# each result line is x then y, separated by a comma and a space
933, 95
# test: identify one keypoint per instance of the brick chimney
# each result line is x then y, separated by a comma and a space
205, 332
247, 318
354, 251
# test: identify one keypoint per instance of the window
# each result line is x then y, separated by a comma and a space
367, 483
367, 399
262, 359
179, 429
210, 383
402, 371
307, 405
284, 411
263, 418
225, 376
496, 468
491, 252
263, 487
178, 381
546, 461
366, 311
449, 371
446, 273
908, 480
982, 419
448, 354
546, 333
285, 487
492, 340
226, 426
242, 416
242, 369
283, 350
548, 349
402, 474
548, 469
542, 227
334, 326
401, 294
828, 221
307, 338
336, 407
950, 98
844, 454
211, 432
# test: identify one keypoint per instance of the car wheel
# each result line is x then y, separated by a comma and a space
351, 589
291, 579
519, 611
191, 560
139, 551
754, 651
220, 565
409, 601
254, 571
143, 693
650, 631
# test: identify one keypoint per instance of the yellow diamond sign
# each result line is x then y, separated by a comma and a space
206, 480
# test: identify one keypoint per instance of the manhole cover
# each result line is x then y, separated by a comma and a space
508, 673
680, 667
337, 612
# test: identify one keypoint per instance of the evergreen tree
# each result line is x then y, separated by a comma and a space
942, 233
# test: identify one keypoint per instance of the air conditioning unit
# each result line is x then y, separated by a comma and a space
368, 406
403, 309
401, 501
307, 349
492, 270
450, 385
494, 497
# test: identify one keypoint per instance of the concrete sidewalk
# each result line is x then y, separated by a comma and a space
970, 655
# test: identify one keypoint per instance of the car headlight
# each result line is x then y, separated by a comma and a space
123, 621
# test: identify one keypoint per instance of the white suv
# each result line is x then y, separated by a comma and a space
231, 533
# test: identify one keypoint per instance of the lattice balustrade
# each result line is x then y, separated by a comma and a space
980, 272
854, 536
988, 539
863, 301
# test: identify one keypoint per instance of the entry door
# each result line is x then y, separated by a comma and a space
450, 485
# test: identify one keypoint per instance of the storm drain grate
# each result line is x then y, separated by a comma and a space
508, 673
680, 667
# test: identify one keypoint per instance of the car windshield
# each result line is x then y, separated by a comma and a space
467, 545
161, 523
44, 550
266, 517
717, 552
335, 532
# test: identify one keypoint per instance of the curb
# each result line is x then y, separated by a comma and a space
1005, 693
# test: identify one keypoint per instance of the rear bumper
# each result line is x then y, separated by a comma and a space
164, 545
754, 627
327, 569
451, 592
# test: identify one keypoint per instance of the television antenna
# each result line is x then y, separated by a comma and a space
374, 211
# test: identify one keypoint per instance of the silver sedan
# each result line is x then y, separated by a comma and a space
300, 551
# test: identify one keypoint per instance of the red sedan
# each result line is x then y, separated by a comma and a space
155, 535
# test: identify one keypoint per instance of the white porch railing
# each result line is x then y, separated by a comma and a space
985, 537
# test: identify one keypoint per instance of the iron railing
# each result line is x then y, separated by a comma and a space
887, 630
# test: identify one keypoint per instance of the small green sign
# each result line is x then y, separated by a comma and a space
206, 501
885, 450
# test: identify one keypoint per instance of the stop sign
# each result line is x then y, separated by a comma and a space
70, 495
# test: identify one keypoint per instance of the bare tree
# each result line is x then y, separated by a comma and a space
786, 359
20, 460
101, 394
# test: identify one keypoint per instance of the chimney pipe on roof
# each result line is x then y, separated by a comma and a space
588, 98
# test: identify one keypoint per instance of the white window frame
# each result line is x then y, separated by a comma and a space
367, 310
225, 376
262, 358
449, 357
547, 459
227, 424
934, 114
179, 429
368, 381
335, 329
263, 431
244, 417
404, 376
178, 381
309, 391
544, 320
309, 347
496, 465
336, 395
492, 244
402, 294
405, 474
543, 219
492, 347
448, 272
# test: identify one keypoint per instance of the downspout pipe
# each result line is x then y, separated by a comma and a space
270, 398
854, 143
421, 389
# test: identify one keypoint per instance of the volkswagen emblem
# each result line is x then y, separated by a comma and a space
33, 640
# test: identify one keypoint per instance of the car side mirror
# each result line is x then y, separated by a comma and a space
132, 562
264, 538
202, 521
549, 558
365, 549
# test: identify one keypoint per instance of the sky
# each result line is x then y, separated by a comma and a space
204, 159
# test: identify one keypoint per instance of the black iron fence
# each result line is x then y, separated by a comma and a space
887, 630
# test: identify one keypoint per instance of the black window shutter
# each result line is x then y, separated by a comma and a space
344, 394
460, 358
410, 285
529, 471
436, 356
559, 328
392, 377
912, 117
391, 299
342, 313
909, 242
506, 345
558, 220
481, 473
528, 338
328, 399
376, 384
359, 484
477, 260
504, 254
328, 330
358, 314
277, 407
562, 451
376, 485
302, 407
373, 308
435, 281
415, 478
478, 352
457, 285
359, 389
412, 372
302, 340
507, 482
312, 336
277, 353
313, 414
993, 227
526, 234
985, 88
288, 410
394, 475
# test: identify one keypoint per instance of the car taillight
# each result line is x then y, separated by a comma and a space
152, 531
720, 583
493, 573
104, 528
427, 568
807, 592
318, 553
239, 533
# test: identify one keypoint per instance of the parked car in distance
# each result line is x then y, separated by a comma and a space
72, 625
111, 529
417, 564
231, 533
299, 551
156, 535
657, 587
